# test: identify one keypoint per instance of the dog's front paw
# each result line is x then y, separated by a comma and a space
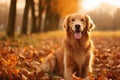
44, 67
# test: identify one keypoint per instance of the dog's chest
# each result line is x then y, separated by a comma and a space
79, 57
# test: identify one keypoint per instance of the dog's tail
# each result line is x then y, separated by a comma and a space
49, 63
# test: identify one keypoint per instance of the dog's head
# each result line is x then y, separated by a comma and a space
78, 24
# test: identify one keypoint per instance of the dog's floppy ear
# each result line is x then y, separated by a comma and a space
66, 22
90, 24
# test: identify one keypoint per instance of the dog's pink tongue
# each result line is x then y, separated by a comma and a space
78, 35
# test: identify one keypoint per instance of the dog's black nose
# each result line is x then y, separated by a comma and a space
77, 26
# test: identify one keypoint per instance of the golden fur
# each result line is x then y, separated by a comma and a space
75, 53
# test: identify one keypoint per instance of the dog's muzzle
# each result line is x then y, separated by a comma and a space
78, 32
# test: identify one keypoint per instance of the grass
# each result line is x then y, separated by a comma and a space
106, 33
94, 33
32, 39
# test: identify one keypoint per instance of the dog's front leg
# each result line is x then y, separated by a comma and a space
68, 73
85, 70
87, 65
68, 66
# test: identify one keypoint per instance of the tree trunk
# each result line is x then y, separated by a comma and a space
10, 32
51, 20
47, 21
34, 28
25, 18
40, 15
54, 22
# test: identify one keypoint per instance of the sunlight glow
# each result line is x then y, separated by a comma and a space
90, 4
2, 1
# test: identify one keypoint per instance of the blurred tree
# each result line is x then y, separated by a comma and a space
117, 19
25, 18
10, 31
103, 16
4, 11
65, 7
55, 9
41, 3
34, 27
52, 18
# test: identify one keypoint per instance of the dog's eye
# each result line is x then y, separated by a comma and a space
82, 19
73, 19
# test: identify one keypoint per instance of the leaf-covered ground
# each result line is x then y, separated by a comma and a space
20, 58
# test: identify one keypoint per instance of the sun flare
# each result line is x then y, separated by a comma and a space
90, 4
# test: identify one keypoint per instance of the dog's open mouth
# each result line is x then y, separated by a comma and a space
78, 34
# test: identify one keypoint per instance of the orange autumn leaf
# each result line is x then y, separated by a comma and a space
76, 78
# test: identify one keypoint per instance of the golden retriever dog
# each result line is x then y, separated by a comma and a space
76, 52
